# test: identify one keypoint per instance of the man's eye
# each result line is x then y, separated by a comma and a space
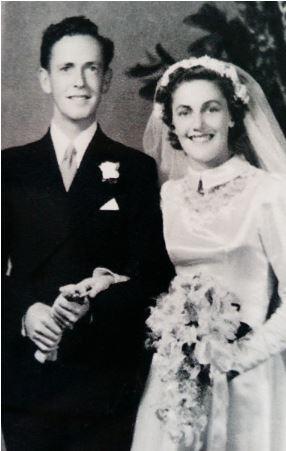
65, 68
183, 113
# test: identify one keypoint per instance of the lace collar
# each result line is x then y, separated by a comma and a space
211, 178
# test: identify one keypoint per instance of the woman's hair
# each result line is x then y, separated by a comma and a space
237, 134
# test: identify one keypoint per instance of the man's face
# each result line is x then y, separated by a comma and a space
76, 78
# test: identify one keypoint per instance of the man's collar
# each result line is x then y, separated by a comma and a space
81, 142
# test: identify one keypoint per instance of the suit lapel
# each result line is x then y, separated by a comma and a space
88, 191
61, 212
42, 184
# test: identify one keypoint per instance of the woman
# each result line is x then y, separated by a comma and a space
224, 225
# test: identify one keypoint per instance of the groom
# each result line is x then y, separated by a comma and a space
73, 202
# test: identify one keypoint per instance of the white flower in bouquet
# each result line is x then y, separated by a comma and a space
192, 329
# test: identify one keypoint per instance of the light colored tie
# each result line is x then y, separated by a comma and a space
69, 166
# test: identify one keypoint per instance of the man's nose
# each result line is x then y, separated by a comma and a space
79, 80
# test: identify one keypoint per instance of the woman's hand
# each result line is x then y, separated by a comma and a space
93, 285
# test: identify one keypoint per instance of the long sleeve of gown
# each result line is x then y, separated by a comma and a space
270, 338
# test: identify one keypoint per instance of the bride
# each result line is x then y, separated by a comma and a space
223, 154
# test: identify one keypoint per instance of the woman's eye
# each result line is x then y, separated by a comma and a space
213, 109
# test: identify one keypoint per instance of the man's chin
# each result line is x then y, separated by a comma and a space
81, 118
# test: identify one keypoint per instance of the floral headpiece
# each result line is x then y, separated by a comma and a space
220, 67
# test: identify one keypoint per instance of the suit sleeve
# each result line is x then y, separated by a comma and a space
15, 297
147, 261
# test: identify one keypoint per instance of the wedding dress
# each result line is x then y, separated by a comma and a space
234, 230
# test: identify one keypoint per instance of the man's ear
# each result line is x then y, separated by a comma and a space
107, 77
44, 78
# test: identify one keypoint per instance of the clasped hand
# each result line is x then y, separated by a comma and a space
66, 311
44, 325
41, 327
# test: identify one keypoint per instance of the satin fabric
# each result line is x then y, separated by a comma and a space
236, 233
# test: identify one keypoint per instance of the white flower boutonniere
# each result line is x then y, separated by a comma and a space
109, 171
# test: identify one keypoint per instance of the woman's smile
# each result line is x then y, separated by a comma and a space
201, 138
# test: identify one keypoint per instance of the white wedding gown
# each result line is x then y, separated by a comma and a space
236, 232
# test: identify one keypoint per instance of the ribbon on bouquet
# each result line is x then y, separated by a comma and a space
217, 428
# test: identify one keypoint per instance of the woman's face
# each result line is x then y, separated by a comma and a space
202, 119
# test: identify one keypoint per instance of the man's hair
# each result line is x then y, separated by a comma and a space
71, 26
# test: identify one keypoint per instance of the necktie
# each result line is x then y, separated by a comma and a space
69, 166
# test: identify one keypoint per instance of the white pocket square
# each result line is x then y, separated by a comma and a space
110, 205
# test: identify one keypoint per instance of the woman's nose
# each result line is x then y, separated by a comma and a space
197, 121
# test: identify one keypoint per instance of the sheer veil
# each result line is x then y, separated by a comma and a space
263, 130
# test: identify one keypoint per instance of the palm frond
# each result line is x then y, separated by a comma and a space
211, 45
209, 18
148, 90
238, 43
254, 40
166, 58
142, 70
151, 58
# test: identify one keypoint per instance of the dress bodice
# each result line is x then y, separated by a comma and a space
232, 229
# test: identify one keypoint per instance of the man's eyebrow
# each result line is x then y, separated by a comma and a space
183, 106
65, 63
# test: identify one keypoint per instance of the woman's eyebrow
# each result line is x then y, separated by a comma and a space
213, 101
206, 103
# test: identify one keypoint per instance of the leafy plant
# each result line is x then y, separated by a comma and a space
254, 40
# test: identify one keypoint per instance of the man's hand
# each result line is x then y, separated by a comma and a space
41, 328
66, 312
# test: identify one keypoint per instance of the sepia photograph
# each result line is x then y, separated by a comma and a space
143, 225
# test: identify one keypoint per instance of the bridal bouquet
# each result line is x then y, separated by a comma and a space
192, 328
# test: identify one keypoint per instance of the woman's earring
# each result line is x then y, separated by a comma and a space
172, 127
231, 124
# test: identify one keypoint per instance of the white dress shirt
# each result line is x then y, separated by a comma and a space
80, 143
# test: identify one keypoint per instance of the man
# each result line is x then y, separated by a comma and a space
76, 201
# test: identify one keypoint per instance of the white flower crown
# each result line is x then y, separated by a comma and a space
220, 67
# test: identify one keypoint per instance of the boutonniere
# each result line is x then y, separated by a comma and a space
109, 171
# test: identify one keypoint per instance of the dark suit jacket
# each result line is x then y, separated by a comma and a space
53, 238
